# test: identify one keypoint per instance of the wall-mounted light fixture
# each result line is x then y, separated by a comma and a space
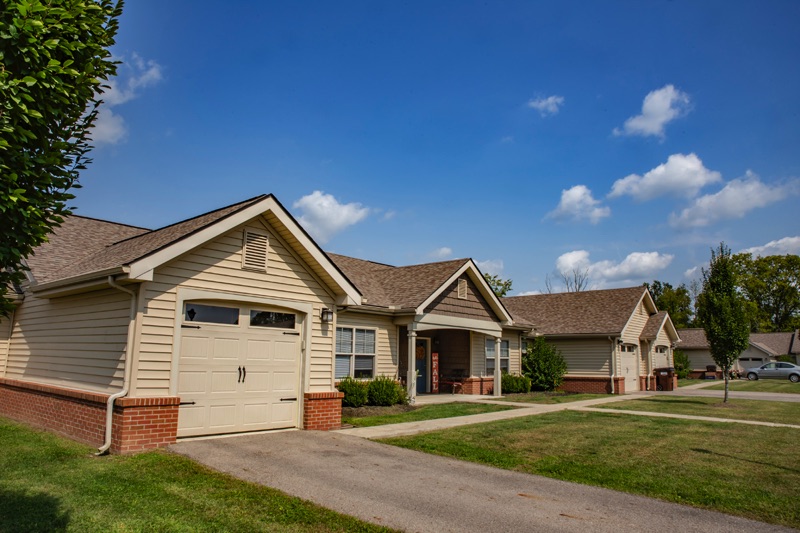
620, 341
326, 315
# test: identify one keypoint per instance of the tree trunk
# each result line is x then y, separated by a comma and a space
726, 372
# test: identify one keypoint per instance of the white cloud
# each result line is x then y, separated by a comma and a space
784, 246
442, 253
491, 266
577, 203
637, 266
132, 76
389, 215
529, 293
681, 175
547, 106
735, 200
323, 216
658, 109
691, 272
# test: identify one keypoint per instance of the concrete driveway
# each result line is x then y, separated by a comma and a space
413, 491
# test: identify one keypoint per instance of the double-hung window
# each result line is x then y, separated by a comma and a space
355, 353
490, 356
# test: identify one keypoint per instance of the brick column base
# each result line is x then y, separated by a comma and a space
592, 385
322, 411
138, 423
478, 386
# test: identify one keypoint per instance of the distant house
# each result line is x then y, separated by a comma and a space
611, 339
763, 348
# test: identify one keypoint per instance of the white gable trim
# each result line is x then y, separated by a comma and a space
486, 291
646, 293
139, 269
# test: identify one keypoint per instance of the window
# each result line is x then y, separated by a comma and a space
630, 348
355, 353
213, 314
490, 344
661, 349
269, 319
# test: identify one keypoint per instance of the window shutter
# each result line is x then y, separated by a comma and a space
254, 251
462, 289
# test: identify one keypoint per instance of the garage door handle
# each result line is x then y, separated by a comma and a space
244, 373
289, 399
240, 376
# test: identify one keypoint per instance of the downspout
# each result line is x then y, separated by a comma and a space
613, 362
649, 365
126, 375
10, 333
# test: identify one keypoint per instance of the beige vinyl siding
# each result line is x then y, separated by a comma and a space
386, 357
514, 357
662, 360
75, 341
478, 355
217, 266
5, 336
585, 357
699, 359
636, 324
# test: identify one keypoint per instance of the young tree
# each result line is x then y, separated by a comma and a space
54, 58
772, 284
499, 285
543, 364
721, 310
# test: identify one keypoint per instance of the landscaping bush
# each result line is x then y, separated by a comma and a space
544, 365
402, 393
681, 362
355, 392
512, 384
383, 390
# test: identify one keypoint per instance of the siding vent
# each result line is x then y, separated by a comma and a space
462, 289
254, 251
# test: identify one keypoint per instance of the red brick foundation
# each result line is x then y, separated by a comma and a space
322, 411
138, 423
592, 385
478, 386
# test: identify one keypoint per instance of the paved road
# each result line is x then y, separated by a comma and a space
413, 491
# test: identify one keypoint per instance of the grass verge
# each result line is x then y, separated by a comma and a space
48, 483
749, 471
424, 412
736, 409
550, 397
762, 385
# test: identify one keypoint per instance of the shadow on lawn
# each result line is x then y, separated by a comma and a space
31, 513
709, 452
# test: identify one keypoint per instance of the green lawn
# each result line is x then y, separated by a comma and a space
687, 381
744, 470
426, 412
550, 397
48, 483
759, 410
762, 385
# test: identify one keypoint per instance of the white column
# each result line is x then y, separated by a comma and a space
498, 382
412, 364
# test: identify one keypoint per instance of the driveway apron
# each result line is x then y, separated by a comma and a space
414, 491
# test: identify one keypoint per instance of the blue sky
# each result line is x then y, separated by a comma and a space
626, 138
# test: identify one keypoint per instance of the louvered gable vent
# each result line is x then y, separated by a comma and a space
254, 253
462, 289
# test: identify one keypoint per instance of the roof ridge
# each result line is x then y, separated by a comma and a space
618, 289
73, 215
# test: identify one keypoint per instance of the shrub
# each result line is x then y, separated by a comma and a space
383, 391
512, 384
402, 393
355, 392
682, 365
544, 365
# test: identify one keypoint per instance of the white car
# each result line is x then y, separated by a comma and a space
775, 371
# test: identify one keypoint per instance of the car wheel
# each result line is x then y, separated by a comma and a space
794, 378
752, 376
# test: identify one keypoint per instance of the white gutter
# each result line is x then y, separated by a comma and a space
126, 375
613, 361
10, 333
649, 364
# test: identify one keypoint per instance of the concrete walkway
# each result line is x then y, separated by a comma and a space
414, 491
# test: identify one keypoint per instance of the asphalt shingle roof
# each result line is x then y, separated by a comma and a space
774, 343
653, 325
577, 313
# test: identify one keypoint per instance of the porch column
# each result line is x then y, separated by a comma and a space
498, 382
411, 380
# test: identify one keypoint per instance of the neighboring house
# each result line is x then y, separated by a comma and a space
611, 339
763, 348
232, 321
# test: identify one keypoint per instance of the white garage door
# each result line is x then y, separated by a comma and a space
239, 369
629, 367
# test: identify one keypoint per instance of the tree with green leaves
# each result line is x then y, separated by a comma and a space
721, 310
675, 300
772, 284
54, 59
499, 285
543, 364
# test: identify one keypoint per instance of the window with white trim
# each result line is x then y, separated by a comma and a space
355, 353
630, 348
661, 349
490, 345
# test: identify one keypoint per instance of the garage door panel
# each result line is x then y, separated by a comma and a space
224, 381
225, 349
284, 382
257, 381
257, 413
283, 413
222, 416
194, 348
191, 418
259, 350
286, 350
192, 382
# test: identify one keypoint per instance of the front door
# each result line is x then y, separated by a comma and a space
421, 354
